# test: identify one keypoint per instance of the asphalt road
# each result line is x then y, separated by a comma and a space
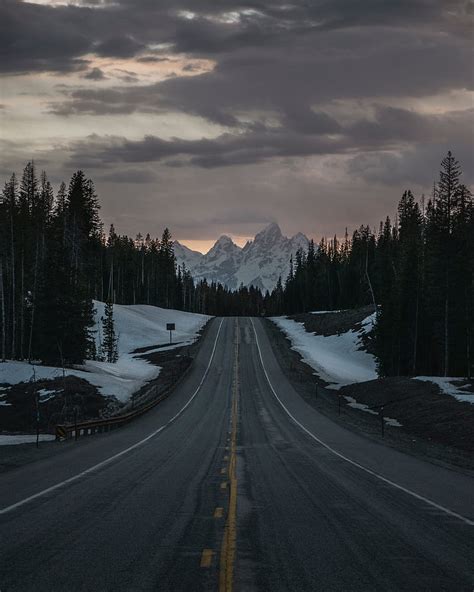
234, 482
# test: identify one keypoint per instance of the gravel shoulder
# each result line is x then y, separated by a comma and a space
435, 426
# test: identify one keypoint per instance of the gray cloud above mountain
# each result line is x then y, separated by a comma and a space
373, 92
390, 128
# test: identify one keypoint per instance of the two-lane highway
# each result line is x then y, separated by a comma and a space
146, 519
234, 482
320, 508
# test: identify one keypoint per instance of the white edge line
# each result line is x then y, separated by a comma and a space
353, 462
119, 454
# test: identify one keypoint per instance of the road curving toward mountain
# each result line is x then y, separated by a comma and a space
235, 483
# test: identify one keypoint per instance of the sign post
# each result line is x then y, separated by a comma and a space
171, 327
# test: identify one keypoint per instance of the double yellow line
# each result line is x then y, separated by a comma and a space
229, 543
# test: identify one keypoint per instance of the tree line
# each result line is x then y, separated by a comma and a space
417, 271
55, 259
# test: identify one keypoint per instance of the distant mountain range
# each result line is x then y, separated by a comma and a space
259, 263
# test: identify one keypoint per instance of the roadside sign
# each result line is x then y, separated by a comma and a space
171, 327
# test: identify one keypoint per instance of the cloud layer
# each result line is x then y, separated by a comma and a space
331, 94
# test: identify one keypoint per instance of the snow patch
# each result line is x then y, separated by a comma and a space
136, 326
45, 395
363, 407
392, 422
447, 385
337, 359
316, 312
8, 440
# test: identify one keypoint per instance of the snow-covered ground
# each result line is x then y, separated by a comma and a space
451, 386
7, 440
136, 326
336, 359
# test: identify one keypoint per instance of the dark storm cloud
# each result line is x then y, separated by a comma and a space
390, 129
95, 74
122, 46
34, 38
326, 67
227, 149
40, 37
292, 84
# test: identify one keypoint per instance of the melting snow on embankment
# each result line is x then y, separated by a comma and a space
451, 386
337, 359
10, 440
137, 326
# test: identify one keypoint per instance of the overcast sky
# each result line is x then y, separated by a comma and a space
215, 117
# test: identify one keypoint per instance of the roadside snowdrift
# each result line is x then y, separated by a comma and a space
137, 326
337, 359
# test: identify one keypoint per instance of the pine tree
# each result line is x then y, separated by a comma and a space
110, 342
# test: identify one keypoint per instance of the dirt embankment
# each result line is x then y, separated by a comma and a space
434, 425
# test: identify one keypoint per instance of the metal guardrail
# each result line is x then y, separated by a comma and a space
77, 429
97, 426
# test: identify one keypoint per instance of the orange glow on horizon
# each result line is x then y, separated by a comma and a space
203, 246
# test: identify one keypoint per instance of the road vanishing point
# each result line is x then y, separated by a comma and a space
235, 483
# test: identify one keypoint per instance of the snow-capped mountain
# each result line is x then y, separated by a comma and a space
259, 263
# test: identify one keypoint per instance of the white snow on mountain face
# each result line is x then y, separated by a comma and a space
259, 263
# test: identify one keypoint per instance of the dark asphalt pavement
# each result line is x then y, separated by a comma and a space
318, 507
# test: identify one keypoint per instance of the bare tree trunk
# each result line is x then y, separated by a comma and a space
2, 297
22, 305
446, 330
368, 278
33, 304
468, 332
110, 295
13, 342
415, 345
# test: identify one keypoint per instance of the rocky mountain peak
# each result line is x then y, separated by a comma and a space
258, 264
270, 234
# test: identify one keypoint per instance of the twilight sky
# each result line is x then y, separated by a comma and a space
218, 117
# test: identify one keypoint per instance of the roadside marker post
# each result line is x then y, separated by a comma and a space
171, 327
75, 424
382, 423
37, 420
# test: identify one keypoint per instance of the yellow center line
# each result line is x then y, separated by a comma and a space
229, 543
218, 512
206, 557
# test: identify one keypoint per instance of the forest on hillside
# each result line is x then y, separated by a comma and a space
417, 271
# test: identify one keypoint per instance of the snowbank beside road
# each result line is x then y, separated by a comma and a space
9, 440
337, 359
137, 326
